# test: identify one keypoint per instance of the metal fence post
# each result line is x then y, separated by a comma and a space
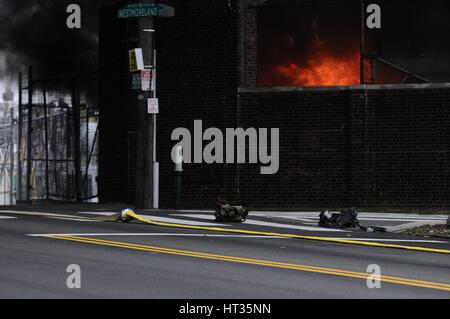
29, 132
11, 155
19, 142
76, 133
47, 181
362, 55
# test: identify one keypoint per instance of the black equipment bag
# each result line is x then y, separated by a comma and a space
347, 218
227, 213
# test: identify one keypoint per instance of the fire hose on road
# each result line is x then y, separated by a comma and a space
128, 215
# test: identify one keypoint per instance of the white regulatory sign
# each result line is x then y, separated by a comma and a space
153, 106
146, 78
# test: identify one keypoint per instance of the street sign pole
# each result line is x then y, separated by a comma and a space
145, 131
154, 115
155, 163
147, 166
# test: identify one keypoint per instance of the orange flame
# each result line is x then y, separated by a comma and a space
323, 69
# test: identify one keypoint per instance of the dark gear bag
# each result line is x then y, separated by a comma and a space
347, 218
227, 213
327, 219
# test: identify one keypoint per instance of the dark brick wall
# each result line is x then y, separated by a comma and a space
313, 143
406, 144
118, 107
338, 147
388, 147
198, 63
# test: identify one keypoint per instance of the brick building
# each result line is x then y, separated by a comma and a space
374, 145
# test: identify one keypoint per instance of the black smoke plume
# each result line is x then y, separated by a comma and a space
34, 32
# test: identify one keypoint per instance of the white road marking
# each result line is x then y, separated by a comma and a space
307, 216
7, 217
402, 219
226, 236
267, 224
180, 221
166, 219
308, 219
41, 214
278, 225
206, 211
200, 216
77, 219
156, 234
105, 213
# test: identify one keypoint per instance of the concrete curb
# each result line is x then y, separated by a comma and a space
403, 227
387, 229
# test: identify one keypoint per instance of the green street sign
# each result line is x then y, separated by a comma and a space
143, 10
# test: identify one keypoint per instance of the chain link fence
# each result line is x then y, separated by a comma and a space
8, 152
58, 138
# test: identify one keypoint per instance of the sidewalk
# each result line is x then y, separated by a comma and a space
388, 222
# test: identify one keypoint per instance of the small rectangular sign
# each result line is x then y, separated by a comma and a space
136, 60
146, 79
153, 106
136, 82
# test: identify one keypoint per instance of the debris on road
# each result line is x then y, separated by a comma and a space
227, 213
347, 218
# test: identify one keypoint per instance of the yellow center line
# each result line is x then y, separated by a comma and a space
313, 269
132, 215
313, 238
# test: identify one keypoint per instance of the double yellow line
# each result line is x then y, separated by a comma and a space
137, 217
321, 270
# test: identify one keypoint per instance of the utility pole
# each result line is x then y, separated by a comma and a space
147, 168
145, 123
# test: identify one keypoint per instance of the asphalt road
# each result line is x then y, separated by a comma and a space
119, 260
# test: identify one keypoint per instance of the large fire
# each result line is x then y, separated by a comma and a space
322, 68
